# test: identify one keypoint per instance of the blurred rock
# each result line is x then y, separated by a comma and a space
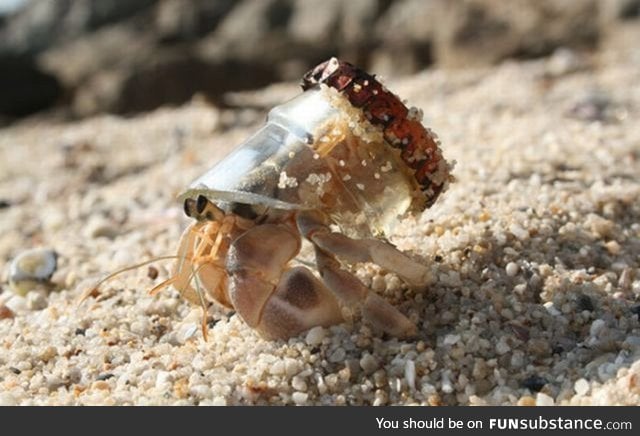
177, 79
32, 28
612, 10
252, 31
41, 24
31, 268
117, 47
480, 32
132, 55
336, 24
310, 23
24, 87
177, 22
591, 106
408, 29
564, 61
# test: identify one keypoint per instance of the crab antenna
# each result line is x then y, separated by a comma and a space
202, 302
159, 287
95, 287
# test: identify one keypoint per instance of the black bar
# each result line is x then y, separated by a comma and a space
321, 421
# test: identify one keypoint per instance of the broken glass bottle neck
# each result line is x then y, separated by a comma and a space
313, 153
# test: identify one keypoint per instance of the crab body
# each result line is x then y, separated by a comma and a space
336, 165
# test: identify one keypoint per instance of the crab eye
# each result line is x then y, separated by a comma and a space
201, 203
244, 210
188, 206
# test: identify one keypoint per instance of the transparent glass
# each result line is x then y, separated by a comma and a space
313, 153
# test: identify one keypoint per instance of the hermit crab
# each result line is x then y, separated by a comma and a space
336, 165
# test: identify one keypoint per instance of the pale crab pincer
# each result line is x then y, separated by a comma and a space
345, 155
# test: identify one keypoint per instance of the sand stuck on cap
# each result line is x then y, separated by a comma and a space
535, 248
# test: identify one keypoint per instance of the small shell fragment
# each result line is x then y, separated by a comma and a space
5, 312
32, 268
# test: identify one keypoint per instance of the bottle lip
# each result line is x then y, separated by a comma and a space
230, 196
248, 173
402, 128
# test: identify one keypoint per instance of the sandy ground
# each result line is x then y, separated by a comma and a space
536, 248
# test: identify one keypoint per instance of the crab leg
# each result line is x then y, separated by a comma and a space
345, 285
313, 226
196, 253
375, 309
278, 301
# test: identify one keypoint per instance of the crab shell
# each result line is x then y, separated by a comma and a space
331, 150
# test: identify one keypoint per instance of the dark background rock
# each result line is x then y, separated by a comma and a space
24, 87
124, 56
154, 85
